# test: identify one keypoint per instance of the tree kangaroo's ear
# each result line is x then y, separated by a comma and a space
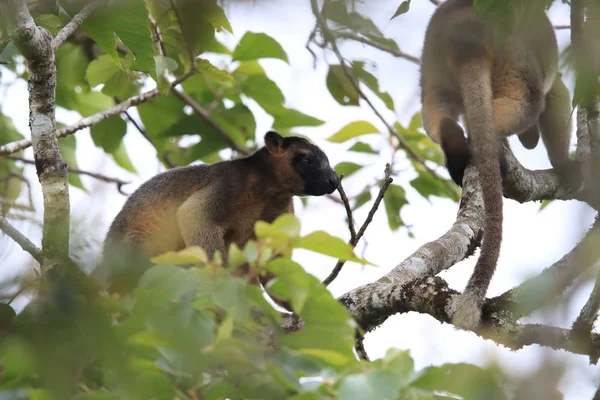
274, 142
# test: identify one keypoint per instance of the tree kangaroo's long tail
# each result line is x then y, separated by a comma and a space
475, 83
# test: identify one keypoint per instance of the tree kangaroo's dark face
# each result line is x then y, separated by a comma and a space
301, 166
312, 165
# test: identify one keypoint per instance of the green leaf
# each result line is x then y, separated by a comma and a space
372, 83
68, 148
352, 130
340, 87
264, 91
122, 159
372, 385
347, 168
49, 21
213, 73
100, 70
467, 381
238, 121
163, 66
96, 395
150, 338
545, 203
18, 358
286, 225
251, 67
362, 200
128, 20
159, 115
394, 199
322, 314
217, 18
8, 132
324, 243
108, 134
402, 9
289, 118
197, 31
190, 255
254, 46
361, 147
428, 186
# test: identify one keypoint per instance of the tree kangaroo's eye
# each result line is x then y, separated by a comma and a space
308, 161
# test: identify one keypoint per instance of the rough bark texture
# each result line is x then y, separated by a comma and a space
412, 286
35, 43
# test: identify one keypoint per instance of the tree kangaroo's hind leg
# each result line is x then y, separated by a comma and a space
556, 133
530, 138
440, 123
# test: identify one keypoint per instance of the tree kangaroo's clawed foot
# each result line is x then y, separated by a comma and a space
570, 174
456, 150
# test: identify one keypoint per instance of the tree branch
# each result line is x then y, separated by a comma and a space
94, 175
583, 325
83, 123
392, 51
21, 240
74, 24
411, 286
348, 208
35, 43
354, 240
431, 295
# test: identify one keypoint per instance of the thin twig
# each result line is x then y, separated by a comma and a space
74, 24
330, 37
562, 27
348, 210
392, 51
386, 183
21, 240
95, 175
202, 113
582, 327
156, 37
83, 123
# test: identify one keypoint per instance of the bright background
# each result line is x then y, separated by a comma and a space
532, 240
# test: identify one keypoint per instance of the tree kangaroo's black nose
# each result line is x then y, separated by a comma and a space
334, 181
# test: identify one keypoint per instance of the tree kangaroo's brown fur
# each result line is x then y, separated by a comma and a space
506, 88
212, 206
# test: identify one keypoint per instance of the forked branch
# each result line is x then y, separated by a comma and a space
355, 237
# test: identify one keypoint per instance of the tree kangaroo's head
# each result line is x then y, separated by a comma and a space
300, 165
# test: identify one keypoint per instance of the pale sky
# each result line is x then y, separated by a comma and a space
532, 240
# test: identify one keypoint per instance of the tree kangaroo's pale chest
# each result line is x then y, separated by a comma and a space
242, 219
